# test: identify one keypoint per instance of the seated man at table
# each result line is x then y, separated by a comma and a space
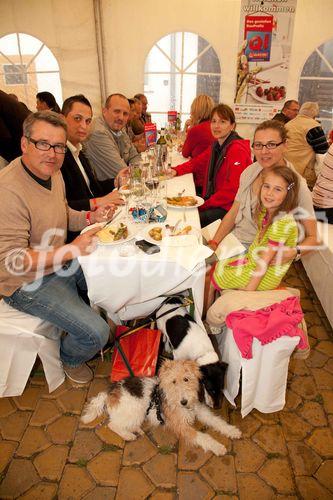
83, 190
146, 117
109, 148
38, 275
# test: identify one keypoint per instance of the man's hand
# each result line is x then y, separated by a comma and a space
86, 242
122, 172
102, 214
113, 198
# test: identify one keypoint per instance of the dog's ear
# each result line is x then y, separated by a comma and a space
165, 366
201, 392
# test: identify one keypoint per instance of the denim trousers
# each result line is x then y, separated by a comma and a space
55, 298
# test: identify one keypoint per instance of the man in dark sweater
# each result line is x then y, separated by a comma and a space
83, 190
288, 112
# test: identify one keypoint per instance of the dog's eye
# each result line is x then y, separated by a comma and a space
185, 379
173, 381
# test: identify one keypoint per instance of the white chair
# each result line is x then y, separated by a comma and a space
22, 337
264, 377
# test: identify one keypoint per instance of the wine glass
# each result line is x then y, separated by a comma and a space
125, 191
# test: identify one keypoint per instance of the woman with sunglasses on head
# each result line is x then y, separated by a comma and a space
269, 145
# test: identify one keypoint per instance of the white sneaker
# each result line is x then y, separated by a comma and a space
79, 374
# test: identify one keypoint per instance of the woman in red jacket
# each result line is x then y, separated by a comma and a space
219, 167
199, 136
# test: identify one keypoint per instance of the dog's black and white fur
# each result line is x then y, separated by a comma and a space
173, 399
187, 340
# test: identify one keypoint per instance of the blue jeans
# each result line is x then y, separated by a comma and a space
55, 298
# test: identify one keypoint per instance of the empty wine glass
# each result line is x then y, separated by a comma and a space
125, 191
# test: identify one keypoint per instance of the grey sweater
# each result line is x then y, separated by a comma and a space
109, 152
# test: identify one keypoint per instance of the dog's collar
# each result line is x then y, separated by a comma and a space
207, 358
155, 402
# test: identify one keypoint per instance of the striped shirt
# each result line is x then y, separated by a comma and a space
317, 140
236, 272
322, 194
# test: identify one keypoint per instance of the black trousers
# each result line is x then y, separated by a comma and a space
210, 215
324, 214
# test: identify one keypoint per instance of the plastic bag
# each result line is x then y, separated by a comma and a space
141, 351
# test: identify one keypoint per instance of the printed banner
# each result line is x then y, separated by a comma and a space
266, 30
258, 35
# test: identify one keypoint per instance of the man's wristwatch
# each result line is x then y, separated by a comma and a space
298, 254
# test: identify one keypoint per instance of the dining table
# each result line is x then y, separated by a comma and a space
128, 283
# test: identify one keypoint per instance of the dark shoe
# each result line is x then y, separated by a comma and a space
80, 374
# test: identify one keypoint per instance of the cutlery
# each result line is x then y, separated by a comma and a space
181, 193
175, 227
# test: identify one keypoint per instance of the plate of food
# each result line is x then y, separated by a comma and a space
167, 235
185, 202
113, 233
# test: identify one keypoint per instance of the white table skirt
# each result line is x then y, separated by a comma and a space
128, 287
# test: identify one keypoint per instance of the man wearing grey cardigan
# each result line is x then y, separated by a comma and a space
109, 148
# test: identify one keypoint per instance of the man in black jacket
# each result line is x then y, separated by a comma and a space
288, 112
83, 190
12, 116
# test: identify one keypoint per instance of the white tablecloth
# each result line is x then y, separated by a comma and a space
129, 287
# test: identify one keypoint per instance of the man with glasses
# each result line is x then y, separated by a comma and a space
39, 274
288, 112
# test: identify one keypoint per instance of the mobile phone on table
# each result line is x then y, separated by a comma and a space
148, 248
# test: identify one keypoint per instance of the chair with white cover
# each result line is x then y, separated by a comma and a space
264, 377
22, 338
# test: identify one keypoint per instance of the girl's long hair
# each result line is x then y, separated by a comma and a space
290, 176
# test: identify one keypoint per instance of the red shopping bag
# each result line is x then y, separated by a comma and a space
141, 351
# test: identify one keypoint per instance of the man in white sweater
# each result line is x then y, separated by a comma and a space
39, 273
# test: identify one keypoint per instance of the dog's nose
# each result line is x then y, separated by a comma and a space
183, 402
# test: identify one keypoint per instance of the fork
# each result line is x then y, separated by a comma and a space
181, 193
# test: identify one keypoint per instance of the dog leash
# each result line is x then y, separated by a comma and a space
155, 401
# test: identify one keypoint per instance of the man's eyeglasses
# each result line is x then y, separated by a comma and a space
269, 145
59, 149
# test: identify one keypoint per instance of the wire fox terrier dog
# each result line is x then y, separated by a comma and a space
175, 399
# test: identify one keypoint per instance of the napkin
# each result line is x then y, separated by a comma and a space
229, 246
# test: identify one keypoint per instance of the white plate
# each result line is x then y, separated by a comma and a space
200, 201
252, 92
132, 231
189, 239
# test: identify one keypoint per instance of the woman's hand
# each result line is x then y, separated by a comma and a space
283, 256
213, 244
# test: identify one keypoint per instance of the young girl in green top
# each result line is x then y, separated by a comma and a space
276, 228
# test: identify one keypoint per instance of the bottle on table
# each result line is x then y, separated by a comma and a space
162, 150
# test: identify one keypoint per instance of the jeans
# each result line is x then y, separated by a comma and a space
55, 298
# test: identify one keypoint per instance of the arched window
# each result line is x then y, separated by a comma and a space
27, 66
316, 83
179, 67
